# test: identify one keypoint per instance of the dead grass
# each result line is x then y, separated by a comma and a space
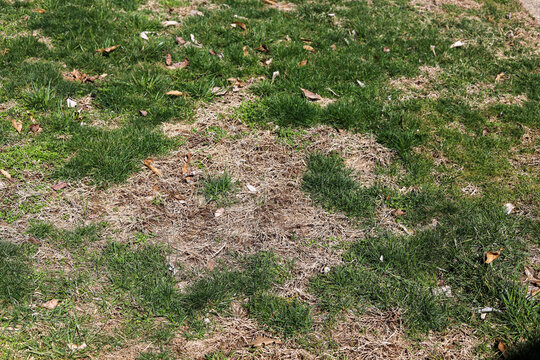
436, 5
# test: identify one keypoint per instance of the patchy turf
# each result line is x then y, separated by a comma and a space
326, 175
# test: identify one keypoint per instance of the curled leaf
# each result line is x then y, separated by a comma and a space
108, 50
148, 163
302, 63
51, 304
239, 24
245, 50
309, 48
168, 60
179, 65
311, 95
263, 341
263, 48
176, 93
5, 173
17, 125
458, 43
491, 256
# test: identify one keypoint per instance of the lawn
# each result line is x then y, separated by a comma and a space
233, 179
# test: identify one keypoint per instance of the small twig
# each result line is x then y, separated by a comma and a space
217, 252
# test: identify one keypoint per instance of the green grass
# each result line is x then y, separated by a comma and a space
218, 188
330, 184
16, 282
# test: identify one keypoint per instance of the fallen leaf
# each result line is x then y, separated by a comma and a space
195, 13
212, 52
17, 125
361, 84
275, 74
180, 41
41, 11
311, 95
4, 52
485, 131
251, 188
398, 212
234, 81
508, 208
51, 304
245, 50
302, 63
180, 65
58, 186
263, 48
168, 60
333, 47
386, 49
269, 2
176, 93
108, 50
185, 167
74, 347
144, 35
308, 48
239, 24
35, 128
500, 77
170, 23
458, 43
492, 256
5, 173
219, 212
263, 341
218, 91
143, 112
33, 240
148, 163
432, 47
267, 62
502, 348
71, 103
194, 41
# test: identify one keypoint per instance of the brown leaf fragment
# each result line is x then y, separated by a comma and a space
485, 131
302, 63
41, 11
33, 240
267, 61
309, 48
235, 82
108, 50
4, 52
219, 212
143, 112
386, 49
51, 304
185, 167
245, 50
239, 24
180, 65
333, 47
148, 163
398, 212
502, 348
17, 125
212, 52
500, 77
35, 128
491, 256
218, 91
168, 60
180, 40
58, 186
176, 93
311, 95
269, 2
263, 341
263, 48
5, 173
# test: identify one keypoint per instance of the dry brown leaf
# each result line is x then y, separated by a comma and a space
398, 212
17, 125
302, 63
245, 50
143, 112
35, 128
492, 256
4, 52
176, 93
263, 341
185, 168
108, 50
502, 348
219, 212
309, 48
51, 304
5, 173
148, 163
180, 41
212, 52
180, 65
239, 24
41, 11
218, 91
267, 62
386, 49
33, 240
333, 47
311, 95
168, 60
269, 2
263, 48
59, 186
500, 77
